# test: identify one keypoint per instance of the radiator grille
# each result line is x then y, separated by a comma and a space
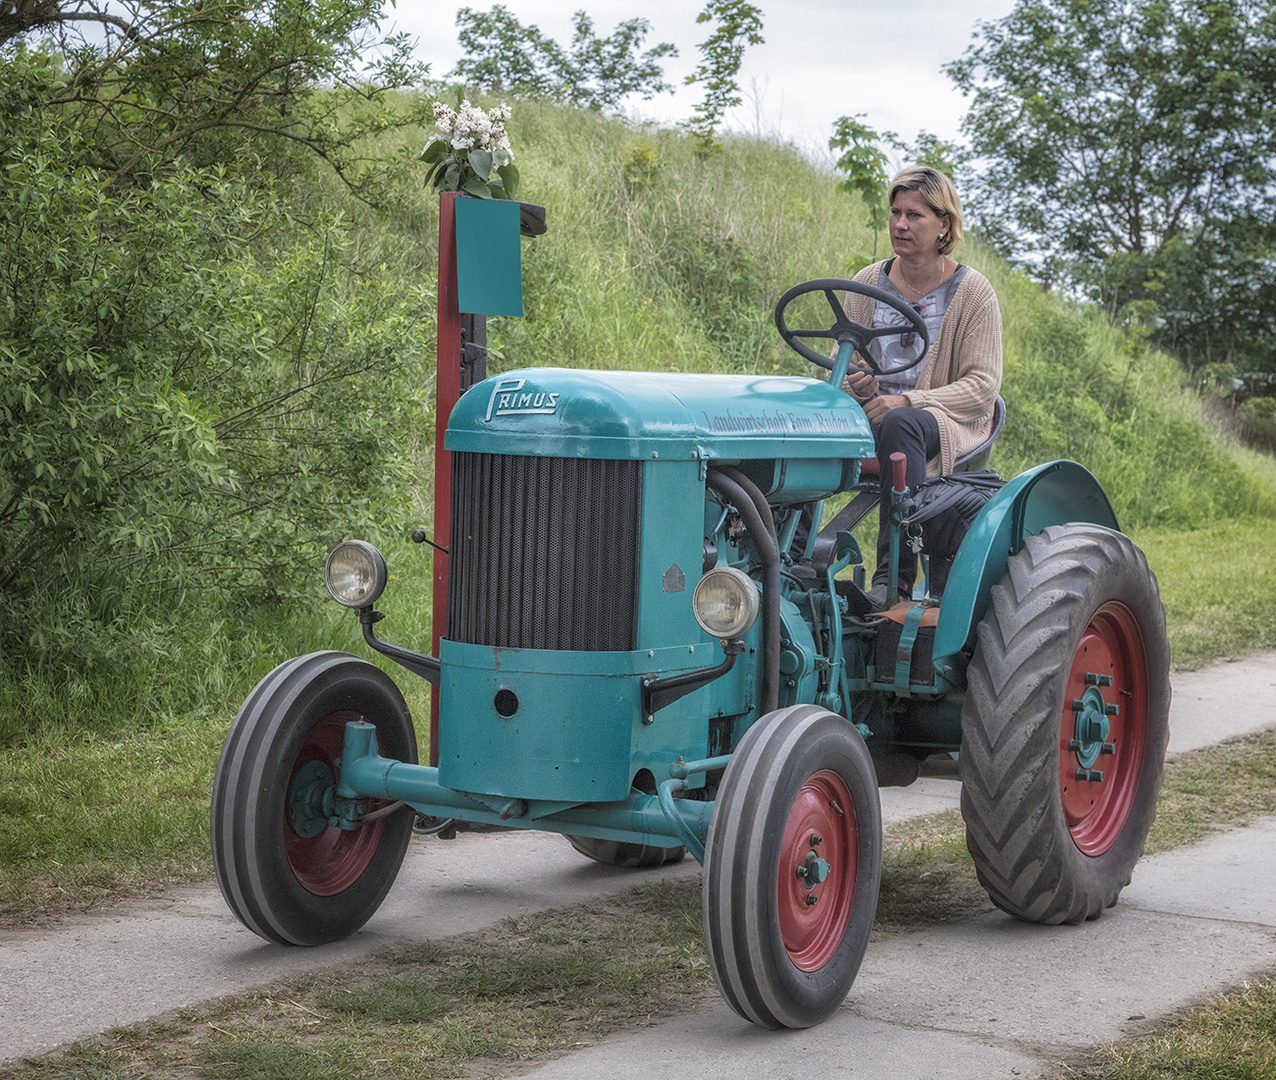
544, 552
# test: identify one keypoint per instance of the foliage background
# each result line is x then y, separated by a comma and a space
283, 399
268, 343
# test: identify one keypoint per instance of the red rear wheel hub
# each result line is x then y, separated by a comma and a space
1103, 729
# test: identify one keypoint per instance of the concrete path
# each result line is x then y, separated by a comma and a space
993, 997
986, 998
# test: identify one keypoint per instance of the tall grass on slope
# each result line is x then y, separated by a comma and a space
663, 259
1080, 388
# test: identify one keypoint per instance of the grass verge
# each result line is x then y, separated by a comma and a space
545, 984
1218, 584
1232, 1038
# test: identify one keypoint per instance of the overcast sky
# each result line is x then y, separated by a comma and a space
822, 58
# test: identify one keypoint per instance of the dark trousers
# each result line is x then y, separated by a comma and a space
915, 434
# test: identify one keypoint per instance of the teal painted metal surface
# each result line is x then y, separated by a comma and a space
489, 257
1091, 726
671, 804
799, 678
671, 555
557, 412
1051, 494
568, 726
796, 480
637, 818
904, 650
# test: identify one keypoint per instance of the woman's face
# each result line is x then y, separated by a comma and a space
915, 227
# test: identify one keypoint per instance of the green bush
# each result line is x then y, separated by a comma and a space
195, 393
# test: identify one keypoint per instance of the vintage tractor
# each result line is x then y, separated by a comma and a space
639, 652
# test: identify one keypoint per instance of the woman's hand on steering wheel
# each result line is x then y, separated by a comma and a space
845, 329
859, 383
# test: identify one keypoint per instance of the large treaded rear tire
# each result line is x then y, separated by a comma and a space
1061, 767
792, 868
286, 873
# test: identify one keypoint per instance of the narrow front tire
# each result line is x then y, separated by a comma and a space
792, 868
287, 872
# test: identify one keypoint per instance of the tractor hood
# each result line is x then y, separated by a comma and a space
562, 412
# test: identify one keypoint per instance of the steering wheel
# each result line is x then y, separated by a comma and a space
846, 329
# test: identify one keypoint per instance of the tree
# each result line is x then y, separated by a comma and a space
504, 56
608, 69
1129, 147
865, 164
501, 54
738, 24
205, 82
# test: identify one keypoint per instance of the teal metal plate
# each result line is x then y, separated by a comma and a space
577, 734
489, 260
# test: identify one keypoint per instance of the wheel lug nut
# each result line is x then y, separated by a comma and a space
812, 899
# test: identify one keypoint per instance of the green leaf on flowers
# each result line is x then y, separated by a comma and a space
435, 175
481, 162
434, 151
453, 176
477, 187
509, 179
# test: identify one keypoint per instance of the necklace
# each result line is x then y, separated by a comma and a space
920, 292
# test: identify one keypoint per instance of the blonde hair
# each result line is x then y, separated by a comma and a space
940, 196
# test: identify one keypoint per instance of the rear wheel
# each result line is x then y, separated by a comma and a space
792, 868
1065, 725
288, 872
620, 853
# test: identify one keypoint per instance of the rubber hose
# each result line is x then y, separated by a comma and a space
744, 495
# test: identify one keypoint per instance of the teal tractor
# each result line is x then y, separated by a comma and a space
646, 652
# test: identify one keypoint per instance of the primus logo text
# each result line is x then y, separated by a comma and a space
509, 399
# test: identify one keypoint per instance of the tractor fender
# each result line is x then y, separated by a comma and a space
1051, 494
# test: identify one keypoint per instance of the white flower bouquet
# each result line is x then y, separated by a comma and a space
471, 153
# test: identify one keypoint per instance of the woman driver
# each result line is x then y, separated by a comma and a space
941, 408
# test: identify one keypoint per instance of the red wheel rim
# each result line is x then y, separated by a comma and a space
814, 913
335, 859
1103, 730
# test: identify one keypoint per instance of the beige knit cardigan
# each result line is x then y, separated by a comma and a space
961, 378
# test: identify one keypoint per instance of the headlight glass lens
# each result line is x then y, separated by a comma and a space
725, 602
355, 574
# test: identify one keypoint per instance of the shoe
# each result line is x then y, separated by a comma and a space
861, 602
878, 596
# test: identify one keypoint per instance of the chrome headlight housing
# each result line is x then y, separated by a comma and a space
725, 602
355, 574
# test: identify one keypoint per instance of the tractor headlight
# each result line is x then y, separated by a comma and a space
355, 574
725, 602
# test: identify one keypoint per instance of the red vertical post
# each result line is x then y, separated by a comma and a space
447, 391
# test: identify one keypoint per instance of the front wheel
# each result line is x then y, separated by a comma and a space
792, 868
1065, 725
288, 873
